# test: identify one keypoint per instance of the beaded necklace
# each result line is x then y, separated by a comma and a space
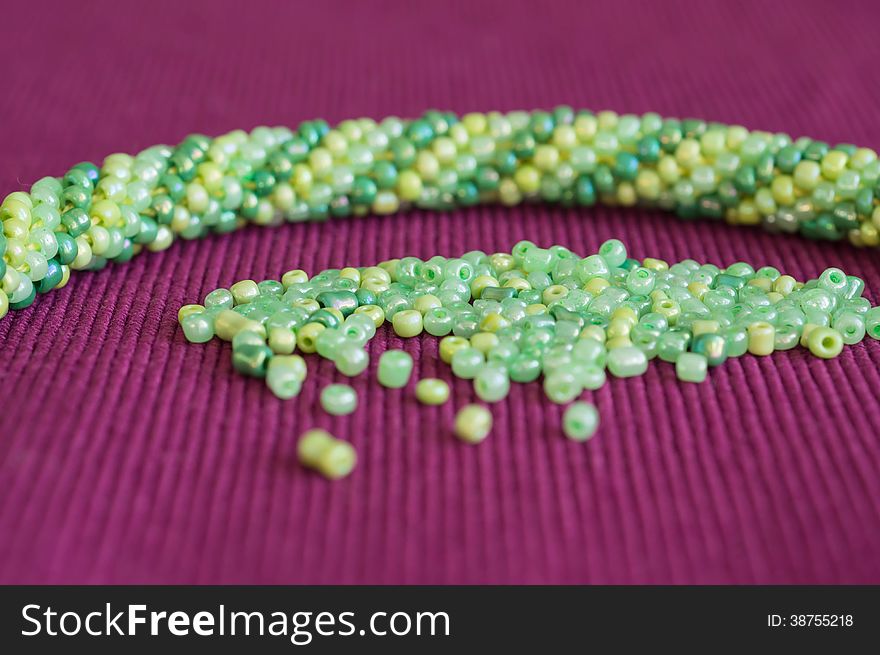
508, 316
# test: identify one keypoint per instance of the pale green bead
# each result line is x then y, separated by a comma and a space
473, 423
351, 359
627, 361
691, 367
329, 341
244, 291
338, 399
198, 327
491, 383
467, 362
562, 386
580, 421
395, 368
285, 375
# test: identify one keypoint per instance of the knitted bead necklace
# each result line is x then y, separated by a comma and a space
556, 302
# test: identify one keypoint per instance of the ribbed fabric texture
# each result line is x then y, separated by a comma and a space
128, 455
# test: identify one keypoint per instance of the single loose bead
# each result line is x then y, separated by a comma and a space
825, 342
627, 361
407, 323
761, 338
432, 391
580, 421
338, 399
473, 423
395, 368
691, 367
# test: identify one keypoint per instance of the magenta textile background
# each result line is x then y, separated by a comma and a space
128, 455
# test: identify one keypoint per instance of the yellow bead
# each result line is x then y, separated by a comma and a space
309, 304
493, 322
648, 185
407, 323
625, 313
449, 345
596, 285
518, 283
626, 194
484, 341
585, 127
475, 123
229, 323
805, 333
784, 284
336, 313
65, 277
106, 212
375, 285
618, 342
593, 332
432, 391
480, 283
747, 213
687, 153
698, 289
761, 336
386, 202
701, 326
774, 297
374, 312
473, 423
319, 450
244, 291
536, 308
375, 273
667, 308
282, 340
186, 310
426, 303
546, 157
618, 327
553, 293
508, 192
501, 262
655, 264
833, 164
782, 188
295, 276
807, 175
409, 185
351, 273
765, 284
307, 336
528, 179
197, 198
4, 303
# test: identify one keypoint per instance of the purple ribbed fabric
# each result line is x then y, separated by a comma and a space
128, 455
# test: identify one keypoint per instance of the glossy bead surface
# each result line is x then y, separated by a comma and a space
473, 423
580, 421
338, 399
432, 391
395, 368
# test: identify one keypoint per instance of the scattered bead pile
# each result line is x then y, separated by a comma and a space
519, 316
92, 215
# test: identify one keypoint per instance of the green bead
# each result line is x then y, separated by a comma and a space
467, 362
351, 359
825, 343
198, 327
712, 346
627, 361
562, 386
580, 421
345, 301
613, 252
491, 383
395, 368
325, 318
524, 368
691, 367
329, 341
251, 359
851, 327
872, 323
338, 399
438, 322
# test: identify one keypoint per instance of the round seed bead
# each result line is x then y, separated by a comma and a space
761, 338
467, 362
450, 345
432, 391
331, 457
872, 322
307, 337
473, 423
580, 421
351, 359
627, 361
562, 386
395, 368
373, 312
285, 375
407, 323
338, 399
244, 292
691, 367
825, 343
198, 327
228, 323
